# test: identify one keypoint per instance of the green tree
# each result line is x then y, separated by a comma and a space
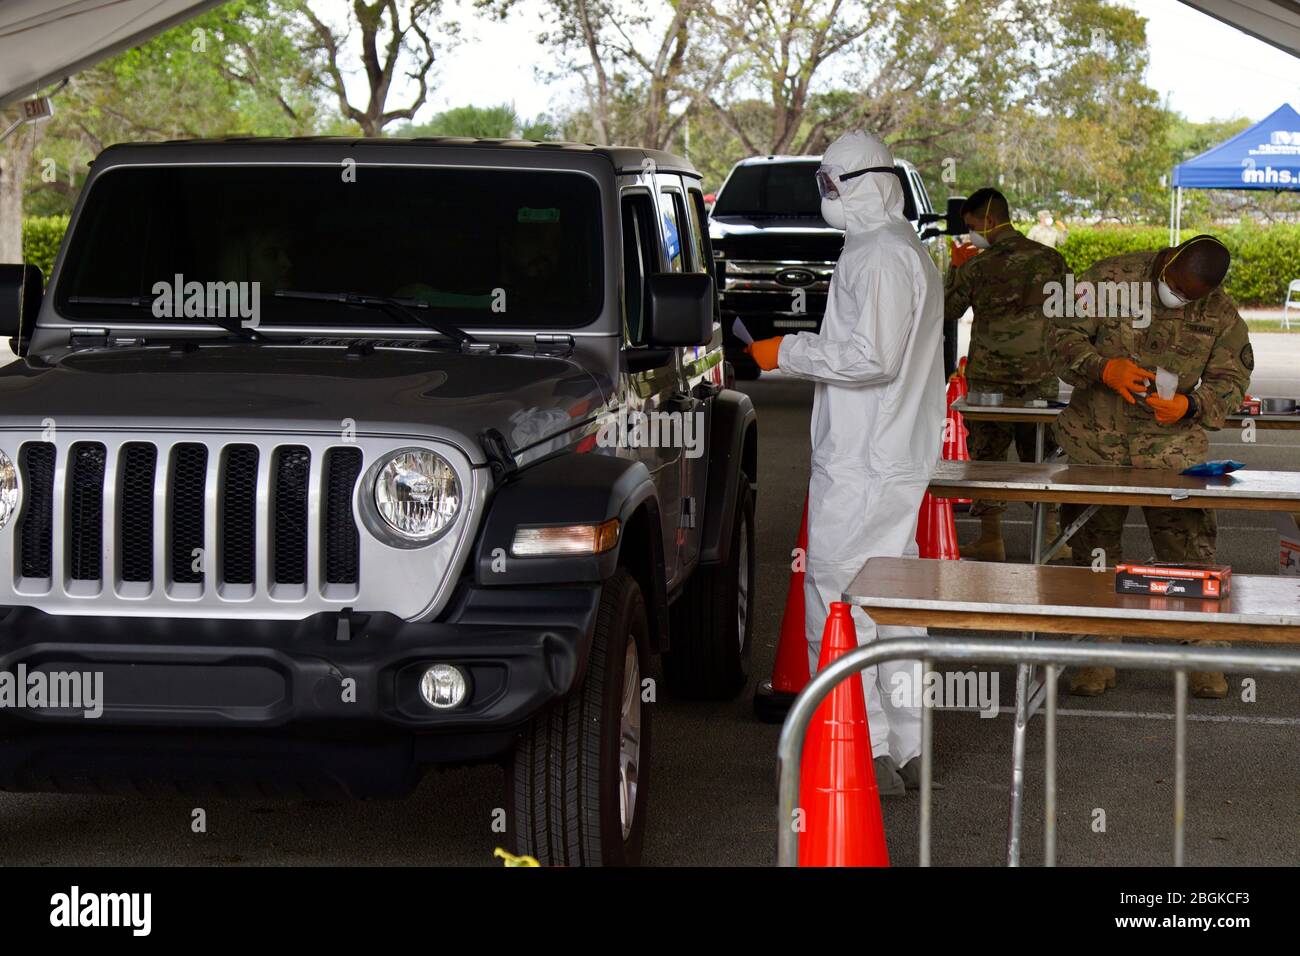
229, 71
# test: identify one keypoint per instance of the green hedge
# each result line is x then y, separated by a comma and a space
1264, 258
41, 238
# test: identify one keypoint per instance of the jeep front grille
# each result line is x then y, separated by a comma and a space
36, 465
185, 484
186, 511
342, 546
214, 524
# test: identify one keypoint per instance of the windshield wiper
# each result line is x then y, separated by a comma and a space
234, 327
402, 308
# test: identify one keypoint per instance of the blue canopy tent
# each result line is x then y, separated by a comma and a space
1265, 156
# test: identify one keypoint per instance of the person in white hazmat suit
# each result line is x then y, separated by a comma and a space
877, 420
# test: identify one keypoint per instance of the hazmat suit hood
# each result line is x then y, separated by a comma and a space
868, 201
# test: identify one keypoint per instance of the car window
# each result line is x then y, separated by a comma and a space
470, 244
670, 210
701, 253
638, 261
771, 189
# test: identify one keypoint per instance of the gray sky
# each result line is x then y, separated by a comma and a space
1206, 69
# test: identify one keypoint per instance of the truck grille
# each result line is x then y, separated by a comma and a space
139, 511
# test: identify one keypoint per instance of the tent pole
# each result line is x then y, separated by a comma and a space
1178, 221
1171, 216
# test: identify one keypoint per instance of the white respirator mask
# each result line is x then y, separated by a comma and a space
833, 213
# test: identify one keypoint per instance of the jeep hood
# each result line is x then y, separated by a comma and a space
269, 388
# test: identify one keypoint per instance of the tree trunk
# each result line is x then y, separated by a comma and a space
15, 161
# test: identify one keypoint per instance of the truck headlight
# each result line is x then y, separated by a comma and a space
417, 494
8, 489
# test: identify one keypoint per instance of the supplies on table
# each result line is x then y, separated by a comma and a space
1164, 579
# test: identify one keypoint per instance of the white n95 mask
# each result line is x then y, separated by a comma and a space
833, 213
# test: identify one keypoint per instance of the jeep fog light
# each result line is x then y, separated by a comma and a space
8, 489
566, 539
443, 686
417, 494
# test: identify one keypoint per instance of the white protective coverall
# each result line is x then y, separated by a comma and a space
877, 417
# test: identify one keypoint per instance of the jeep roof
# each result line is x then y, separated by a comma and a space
624, 159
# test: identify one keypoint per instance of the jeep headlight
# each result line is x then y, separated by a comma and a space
417, 494
8, 489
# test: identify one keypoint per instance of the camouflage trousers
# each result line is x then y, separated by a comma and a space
1177, 534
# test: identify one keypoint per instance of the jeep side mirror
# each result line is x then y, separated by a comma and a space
679, 309
21, 289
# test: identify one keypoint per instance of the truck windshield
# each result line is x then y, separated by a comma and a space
771, 189
511, 248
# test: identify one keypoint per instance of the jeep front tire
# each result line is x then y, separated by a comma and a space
577, 778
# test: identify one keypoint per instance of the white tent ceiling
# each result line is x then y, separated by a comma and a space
42, 41
1276, 22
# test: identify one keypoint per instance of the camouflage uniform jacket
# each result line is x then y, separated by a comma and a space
1004, 285
1205, 343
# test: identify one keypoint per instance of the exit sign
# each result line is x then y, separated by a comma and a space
36, 109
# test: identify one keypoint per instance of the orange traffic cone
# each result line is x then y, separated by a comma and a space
837, 781
772, 698
954, 429
936, 531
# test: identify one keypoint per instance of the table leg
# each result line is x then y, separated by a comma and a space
1027, 686
1040, 509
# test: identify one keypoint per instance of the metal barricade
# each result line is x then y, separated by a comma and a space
1052, 655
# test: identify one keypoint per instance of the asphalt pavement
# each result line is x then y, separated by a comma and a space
713, 799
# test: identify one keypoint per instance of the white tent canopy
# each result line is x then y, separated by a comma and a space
1276, 22
42, 41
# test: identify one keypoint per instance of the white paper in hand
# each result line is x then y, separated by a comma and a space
739, 331
1166, 383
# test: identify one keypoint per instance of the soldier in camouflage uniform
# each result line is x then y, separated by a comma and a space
1192, 329
1005, 285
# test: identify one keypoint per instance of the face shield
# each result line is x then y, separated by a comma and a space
830, 176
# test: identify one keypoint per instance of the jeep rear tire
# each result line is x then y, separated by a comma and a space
577, 779
712, 622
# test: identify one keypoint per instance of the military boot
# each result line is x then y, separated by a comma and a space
1052, 531
1093, 681
988, 546
1208, 685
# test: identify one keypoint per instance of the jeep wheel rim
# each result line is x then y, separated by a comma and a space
629, 745
742, 584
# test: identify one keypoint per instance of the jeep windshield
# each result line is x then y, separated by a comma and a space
177, 245
771, 189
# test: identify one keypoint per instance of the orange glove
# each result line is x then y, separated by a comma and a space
765, 352
1125, 377
1170, 410
962, 252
